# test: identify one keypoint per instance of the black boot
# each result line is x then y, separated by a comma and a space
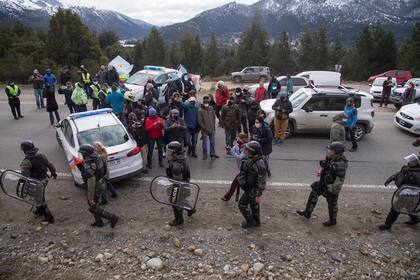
193, 154
179, 219
390, 219
255, 210
304, 213
249, 220
48, 216
384, 227
149, 164
332, 212
189, 150
310, 205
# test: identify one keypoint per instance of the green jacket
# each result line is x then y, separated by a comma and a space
79, 96
207, 119
338, 131
230, 116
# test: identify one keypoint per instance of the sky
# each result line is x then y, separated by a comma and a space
161, 12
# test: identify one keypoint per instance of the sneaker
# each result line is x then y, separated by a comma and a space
21, 117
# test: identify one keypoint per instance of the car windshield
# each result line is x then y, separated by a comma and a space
139, 79
297, 98
112, 135
378, 82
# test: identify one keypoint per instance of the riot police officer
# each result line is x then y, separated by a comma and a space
93, 172
179, 170
35, 165
408, 175
252, 179
330, 183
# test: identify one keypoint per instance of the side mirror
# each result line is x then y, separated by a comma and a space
370, 85
309, 109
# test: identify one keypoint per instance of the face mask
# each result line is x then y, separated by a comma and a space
176, 118
206, 105
257, 125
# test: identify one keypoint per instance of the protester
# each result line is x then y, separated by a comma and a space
237, 151
252, 114
52, 106
101, 75
191, 121
263, 135
386, 91
38, 84
222, 96
242, 99
188, 82
151, 82
283, 107
103, 93
260, 93
350, 112
116, 100
67, 91
289, 85
338, 129
79, 98
230, 120
49, 81
137, 127
154, 127
409, 94
13, 92
274, 87
207, 123
65, 76
112, 76
175, 128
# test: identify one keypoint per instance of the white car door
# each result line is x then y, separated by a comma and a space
70, 149
314, 114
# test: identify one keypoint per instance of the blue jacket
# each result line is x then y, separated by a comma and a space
116, 100
191, 114
49, 79
351, 114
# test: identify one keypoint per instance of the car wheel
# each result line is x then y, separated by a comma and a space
237, 80
290, 130
397, 106
359, 131
58, 139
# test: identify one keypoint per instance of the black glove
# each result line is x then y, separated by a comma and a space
389, 180
54, 175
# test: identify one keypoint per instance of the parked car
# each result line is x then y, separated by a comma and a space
376, 87
396, 94
251, 74
100, 125
314, 109
408, 118
402, 76
298, 82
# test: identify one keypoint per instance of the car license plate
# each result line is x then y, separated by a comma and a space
114, 163
401, 122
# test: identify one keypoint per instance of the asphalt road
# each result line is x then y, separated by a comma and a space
380, 153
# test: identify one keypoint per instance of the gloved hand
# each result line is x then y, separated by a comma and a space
54, 175
389, 180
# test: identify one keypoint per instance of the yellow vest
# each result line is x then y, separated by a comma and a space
13, 90
86, 78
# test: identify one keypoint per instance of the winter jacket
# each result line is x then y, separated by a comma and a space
351, 114
264, 136
238, 153
67, 95
207, 119
102, 76
51, 102
274, 86
79, 96
37, 81
230, 118
188, 83
260, 94
65, 77
191, 114
409, 96
242, 102
222, 96
112, 77
138, 130
154, 127
386, 87
175, 133
282, 108
49, 79
116, 100
338, 130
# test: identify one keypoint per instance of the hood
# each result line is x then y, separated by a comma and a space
411, 109
236, 73
337, 118
266, 105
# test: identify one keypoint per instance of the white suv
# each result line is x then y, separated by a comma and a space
314, 109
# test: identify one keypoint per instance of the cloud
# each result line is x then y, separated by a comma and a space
155, 12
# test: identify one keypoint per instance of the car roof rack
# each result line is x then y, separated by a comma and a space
90, 113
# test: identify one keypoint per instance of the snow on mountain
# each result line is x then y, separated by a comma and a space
36, 13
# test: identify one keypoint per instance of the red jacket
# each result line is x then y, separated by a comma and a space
260, 94
222, 96
154, 127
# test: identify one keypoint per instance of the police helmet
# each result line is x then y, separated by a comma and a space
28, 146
337, 147
254, 147
412, 160
175, 146
87, 149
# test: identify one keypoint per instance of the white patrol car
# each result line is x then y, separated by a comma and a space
99, 125
408, 118
314, 109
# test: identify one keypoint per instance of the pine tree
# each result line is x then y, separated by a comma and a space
321, 48
362, 55
138, 55
154, 48
69, 41
191, 52
336, 52
254, 45
108, 38
211, 59
281, 58
410, 52
307, 53
173, 55
384, 50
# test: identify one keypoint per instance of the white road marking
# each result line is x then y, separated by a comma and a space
227, 182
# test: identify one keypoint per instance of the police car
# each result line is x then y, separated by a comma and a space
99, 125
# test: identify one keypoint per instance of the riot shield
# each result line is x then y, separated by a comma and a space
406, 200
17, 186
175, 193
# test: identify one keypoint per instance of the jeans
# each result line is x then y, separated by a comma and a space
217, 110
208, 137
39, 98
230, 136
192, 136
57, 116
350, 131
151, 146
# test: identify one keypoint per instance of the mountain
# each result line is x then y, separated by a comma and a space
37, 13
343, 18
